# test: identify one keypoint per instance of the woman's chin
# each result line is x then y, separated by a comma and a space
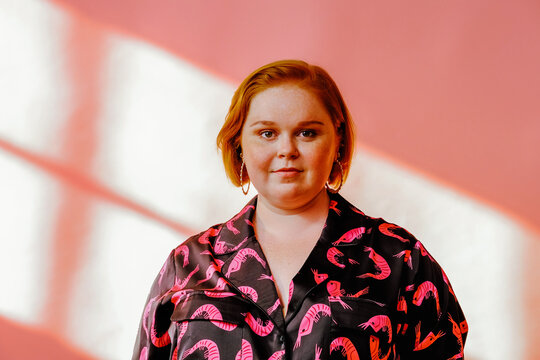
290, 196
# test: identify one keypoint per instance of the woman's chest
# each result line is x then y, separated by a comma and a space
318, 327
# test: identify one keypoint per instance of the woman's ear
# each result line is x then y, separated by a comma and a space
239, 151
339, 148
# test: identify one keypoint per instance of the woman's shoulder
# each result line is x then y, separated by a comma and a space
392, 242
199, 242
222, 237
377, 228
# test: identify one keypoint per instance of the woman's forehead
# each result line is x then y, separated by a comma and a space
287, 103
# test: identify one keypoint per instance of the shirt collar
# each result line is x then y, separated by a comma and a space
342, 217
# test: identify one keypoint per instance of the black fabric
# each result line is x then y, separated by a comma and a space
368, 290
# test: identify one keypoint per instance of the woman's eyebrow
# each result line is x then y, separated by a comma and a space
310, 122
300, 124
262, 122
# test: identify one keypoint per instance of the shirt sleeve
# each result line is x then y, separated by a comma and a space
434, 326
153, 338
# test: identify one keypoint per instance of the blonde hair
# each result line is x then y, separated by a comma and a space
309, 77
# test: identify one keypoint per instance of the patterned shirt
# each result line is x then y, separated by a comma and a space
368, 290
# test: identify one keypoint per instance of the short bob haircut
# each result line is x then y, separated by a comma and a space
309, 77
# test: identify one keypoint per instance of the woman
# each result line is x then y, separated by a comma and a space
298, 273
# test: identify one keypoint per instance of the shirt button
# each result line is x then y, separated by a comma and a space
281, 339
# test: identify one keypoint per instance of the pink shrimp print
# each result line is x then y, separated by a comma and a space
209, 311
258, 326
318, 351
181, 295
335, 291
428, 340
402, 304
319, 278
184, 251
425, 290
341, 302
250, 292
179, 285
230, 225
423, 250
379, 322
218, 295
346, 347
203, 239
241, 258
211, 270
406, 257
220, 247
278, 355
333, 254
211, 351
464, 326
387, 228
273, 308
312, 316
183, 330
334, 288
380, 265
266, 277
332, 206
146, 313
376, 352
162, 272
403, 329
360, 293
291, 290
159, 341
220, 284
350, 236
457, 333
245, 352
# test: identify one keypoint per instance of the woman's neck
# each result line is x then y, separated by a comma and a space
272, 220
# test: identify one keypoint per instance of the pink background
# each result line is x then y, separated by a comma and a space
447, 92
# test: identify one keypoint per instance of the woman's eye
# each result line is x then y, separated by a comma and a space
267, 134
307, 133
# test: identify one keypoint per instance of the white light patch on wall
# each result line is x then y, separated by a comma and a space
26, 209
31, 38
158, 134
480, 249
31, 35
126, 252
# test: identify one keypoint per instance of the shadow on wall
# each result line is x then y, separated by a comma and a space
21, 342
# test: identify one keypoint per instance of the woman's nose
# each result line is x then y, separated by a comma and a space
287, 147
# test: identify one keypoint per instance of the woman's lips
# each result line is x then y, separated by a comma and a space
286, 172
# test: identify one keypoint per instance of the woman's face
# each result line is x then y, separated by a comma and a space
289, 144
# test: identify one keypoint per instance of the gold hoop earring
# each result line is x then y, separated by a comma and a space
332, 190
241, 177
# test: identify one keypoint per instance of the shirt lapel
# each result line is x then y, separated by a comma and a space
245, 266
336, 250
